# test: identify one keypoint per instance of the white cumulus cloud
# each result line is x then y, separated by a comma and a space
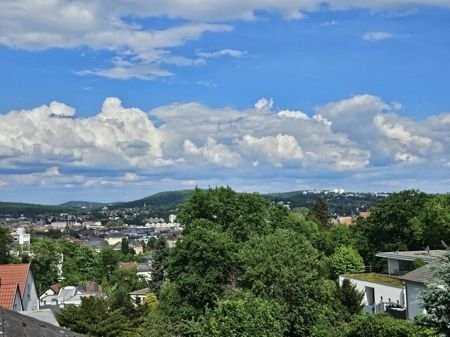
192, 141
276, 149
212, 152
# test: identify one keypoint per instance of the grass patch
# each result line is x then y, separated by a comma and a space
376, 278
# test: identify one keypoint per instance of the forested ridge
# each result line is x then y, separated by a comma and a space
164, 203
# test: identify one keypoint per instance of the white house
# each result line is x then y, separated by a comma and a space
21, 275
69, 295
401, 262
10, 297
138, 296
21, 237
380, 291
414, 283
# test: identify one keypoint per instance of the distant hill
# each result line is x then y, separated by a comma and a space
167, 200
84, 204
339, 203
164, 203
17, 209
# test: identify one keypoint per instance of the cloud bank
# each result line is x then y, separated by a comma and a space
359, 136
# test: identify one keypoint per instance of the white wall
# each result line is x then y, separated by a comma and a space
380, 290
30, 297
17, 306
412, 293
393, 266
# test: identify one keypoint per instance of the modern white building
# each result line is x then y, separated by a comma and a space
21, 237
403, 261
415, 281
67, 295
380, 291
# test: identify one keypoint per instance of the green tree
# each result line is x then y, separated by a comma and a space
436, 297
350, 297
199, 269
284, 266
5, 245
125, 246
161, 255
245, 315
382, 325
107, 259
321, 213
94, 318
79, 263
346, 260
239, 214
390, 226
432, 224
329, 240
122, 282
45, 262
151, 244
159, 325
300, 224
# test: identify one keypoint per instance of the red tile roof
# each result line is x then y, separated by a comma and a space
7, 295
14, 274
55, 287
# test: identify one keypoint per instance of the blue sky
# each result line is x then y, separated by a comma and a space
102, 101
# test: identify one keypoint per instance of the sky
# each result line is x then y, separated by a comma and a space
112, 100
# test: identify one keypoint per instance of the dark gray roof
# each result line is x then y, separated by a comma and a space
97, 243
419, 275
13, 324
144, 291
143, 267
427, 256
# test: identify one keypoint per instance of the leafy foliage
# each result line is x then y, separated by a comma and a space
246, 267
381, 325
245, 315
283, 266
346, 260
198, 269
436, 297
44, 263
321, 213
158, 266
390, 226
95, 318
5, 245
432, 224
350, 297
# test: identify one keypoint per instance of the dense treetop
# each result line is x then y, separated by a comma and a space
248, 267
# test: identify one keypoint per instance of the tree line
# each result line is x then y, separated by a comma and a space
246, 267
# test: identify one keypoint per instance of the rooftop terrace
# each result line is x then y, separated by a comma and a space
376, 278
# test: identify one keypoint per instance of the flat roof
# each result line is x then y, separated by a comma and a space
428, 256
376, 278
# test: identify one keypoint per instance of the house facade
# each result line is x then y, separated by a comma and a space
396, 292
21, 275
69, 295
415, 281
380, 291
10, 297
402, 262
